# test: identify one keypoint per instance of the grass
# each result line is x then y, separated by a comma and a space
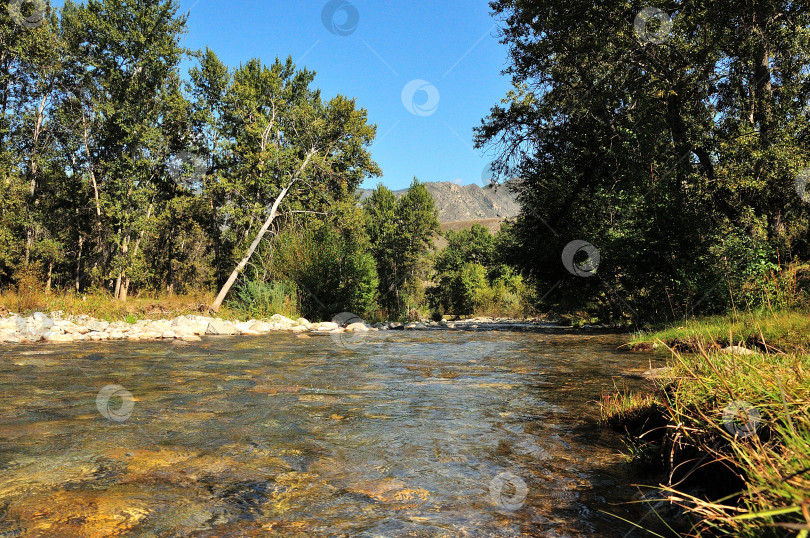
736, 443
621, 409
102, 305
787, 331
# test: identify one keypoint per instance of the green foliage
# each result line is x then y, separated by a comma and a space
471, 281
252, 299
677, 160
787, 331
115, 173
474, 245
331, 269
401, 235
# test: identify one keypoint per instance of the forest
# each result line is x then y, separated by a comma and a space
670, 160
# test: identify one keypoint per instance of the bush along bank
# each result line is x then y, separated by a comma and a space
728, 436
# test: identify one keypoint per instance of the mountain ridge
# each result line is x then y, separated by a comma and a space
467, 202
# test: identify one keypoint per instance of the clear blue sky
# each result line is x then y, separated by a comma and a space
451, 44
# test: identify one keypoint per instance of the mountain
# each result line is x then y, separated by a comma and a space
468, 202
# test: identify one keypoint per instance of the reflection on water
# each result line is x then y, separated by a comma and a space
407, 434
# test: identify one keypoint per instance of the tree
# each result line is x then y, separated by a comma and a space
285, 141
475, 244
208, 87
472, 270
401, 234
660, 152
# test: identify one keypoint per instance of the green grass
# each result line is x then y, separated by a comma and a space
788, 332
621, 408
765, 447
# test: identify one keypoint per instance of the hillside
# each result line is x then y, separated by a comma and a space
468, 202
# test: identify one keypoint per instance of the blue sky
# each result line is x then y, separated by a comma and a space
451, 45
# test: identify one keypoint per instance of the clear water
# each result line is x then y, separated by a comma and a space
392, 434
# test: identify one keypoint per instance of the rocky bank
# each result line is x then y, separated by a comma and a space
60, 328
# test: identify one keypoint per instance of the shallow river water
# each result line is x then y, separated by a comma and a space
445, 433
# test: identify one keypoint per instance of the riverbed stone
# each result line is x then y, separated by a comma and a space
34, 326
9, 323
260, 327
247, 328
71, 328
192, 339
326, 326
303, 321
357, 328
187, 326
97, 336
152, 334
97, 326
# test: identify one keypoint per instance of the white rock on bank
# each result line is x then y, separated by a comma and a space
260, 327
357, 328
282, 320
97, 336
221, 327
57, 337
245, 328
34, 326
738, 350
187, 326
97, 326
326, 326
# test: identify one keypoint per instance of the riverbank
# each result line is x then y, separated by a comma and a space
727, 434
769, 332
58, 327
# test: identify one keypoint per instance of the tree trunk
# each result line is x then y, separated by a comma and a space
50, 277
124, 250
79, 264
125, 283
253, 246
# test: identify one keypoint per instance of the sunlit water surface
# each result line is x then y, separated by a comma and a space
392, 434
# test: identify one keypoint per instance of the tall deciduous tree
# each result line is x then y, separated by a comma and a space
286, 145
674, 151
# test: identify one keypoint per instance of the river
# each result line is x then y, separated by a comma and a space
397, 433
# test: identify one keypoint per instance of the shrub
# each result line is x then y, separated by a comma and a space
252, 299
331, 270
